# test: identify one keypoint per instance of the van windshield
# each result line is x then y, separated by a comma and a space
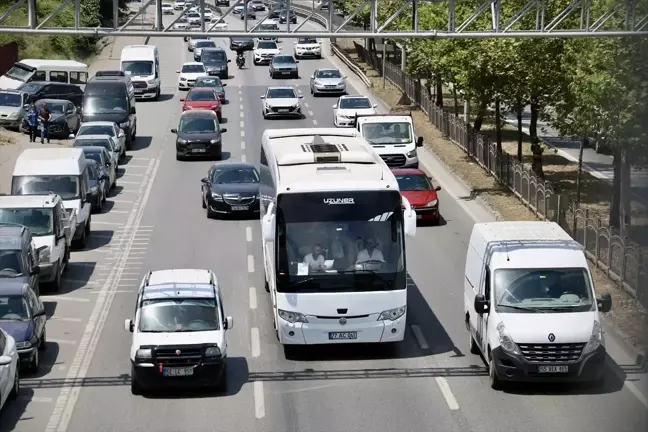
138, 68
38, 220
104, 105
18, 73
179, 315
387, 133
64, 185
542, 290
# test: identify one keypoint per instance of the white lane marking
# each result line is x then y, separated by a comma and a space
242, 123
256, 342
80, 282
635, 391
420, 338
447, 393
61, 341
310, 113
243, 158
98, 222
253, 298
69, 393
64, 298
259, 403
248, 234
115, 292
62, 319
141, 158
306, 105
242, 113
250, 264
136, 166
36, 399
126, 174
242, 145
119, 211
315, 122
130, 182
119, 201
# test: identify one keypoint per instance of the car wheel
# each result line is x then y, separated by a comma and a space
474, 349
221, 387
15, 389
55, 285
202, 199
81, 242
494, 380
42, 345
136, 388
35, 364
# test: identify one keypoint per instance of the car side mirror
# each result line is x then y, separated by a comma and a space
129, 326
262, 97
375, 105
419, 140
437, 189
174, 131
481, 304
312, 77
334, 106
177, 71
39, 313
182, 99
225, 85
604, 303
35, 270
204, 180
223, 130
26, 106
301, 97
229, 61
121, 133
229, 323
294, 43
296, 61
5, 360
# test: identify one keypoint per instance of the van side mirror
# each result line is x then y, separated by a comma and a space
35, 270
133, 110
267, 224
204, 180
223, 84
437, 189
375, 105
604, 303
481, 304
182, 99
174, 131
419, 140
129, 326
409, 218
229, 323
229, 61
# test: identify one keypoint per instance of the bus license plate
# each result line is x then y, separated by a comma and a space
343, 335
553, 369
177, 372
240, 208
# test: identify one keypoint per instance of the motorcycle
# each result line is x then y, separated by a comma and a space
240, 61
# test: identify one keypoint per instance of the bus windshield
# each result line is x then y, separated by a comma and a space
340, 242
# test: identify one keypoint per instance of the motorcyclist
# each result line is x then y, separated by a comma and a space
240, 56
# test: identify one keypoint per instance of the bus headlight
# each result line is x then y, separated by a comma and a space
392, 314
292, 317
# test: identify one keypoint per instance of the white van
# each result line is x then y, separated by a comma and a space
142, 64
392, 136
530, 306
60, 71
61, 171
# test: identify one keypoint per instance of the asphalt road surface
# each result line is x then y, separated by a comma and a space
430, 382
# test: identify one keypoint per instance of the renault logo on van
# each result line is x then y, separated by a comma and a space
551, 337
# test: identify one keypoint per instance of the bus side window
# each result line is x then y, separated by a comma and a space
39, 76
59, 76
78, 77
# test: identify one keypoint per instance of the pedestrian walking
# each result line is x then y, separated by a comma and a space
44, 117
32, 122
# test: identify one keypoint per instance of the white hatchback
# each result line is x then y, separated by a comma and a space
189, 73
9, 368
346, 108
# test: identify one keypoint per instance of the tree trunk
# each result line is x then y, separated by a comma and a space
519, 110
533, 126
479, 119
456, 101
439, 91
615, 204
498, 125
584, 143
536, 162
625, 216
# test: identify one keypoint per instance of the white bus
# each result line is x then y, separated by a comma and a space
333, 226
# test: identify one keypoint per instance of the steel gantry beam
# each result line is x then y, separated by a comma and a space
465, 19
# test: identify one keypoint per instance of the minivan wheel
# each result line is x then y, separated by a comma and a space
495, 382
474, 349
15, 389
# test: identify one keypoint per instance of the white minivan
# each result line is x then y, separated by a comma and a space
60, 71
530, 306
393, 138
62, 171
142, 64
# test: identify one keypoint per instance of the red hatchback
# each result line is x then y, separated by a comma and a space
417, 187
202, 99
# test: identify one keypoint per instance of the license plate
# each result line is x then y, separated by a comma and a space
343, 335
285, 73
178, 372
330, 87
283, 110
553, 369
198, 150
240, 208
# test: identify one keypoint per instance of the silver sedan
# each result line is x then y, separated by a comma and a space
327, 81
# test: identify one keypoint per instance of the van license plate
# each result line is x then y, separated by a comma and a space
553, 369
240, 208
178, 372
343, 335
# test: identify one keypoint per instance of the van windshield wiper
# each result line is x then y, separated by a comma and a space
523, 308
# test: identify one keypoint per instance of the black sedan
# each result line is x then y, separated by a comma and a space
97, 181
246, 43
284, 14
65, 120
199, 134
231, 189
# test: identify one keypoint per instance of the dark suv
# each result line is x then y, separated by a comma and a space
215, 61
37, 90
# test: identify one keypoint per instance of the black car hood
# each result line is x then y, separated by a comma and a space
109, 117
235, 188
198, 138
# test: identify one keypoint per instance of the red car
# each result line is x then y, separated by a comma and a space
202, 99
417, 187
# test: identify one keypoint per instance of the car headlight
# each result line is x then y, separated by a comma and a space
505, 340
151, 81
13, 115
292, 317
411, 154
214, 141
44, 255
319, 83
296, 106
432, 203
123, 125
392, 314
23, 345
213, 352
144, 353
217, 197
596, 339
183, 79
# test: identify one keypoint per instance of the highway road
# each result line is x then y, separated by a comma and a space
430, 382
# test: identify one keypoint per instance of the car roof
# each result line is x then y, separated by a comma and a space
199, 113
29, 201
216, 48
97, 123
201, 90
41, 101
408, 171
192, 64
354, 97
93, 136
281, 88
234, 165
13, 288
94, 149
199, 283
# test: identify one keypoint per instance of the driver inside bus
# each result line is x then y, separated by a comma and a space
370, 253
315, 259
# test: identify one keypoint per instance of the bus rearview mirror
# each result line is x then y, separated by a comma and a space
268, 227
409, 218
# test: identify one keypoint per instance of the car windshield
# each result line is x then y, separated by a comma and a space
93, 142
53, 107
137, 68
235, 175
38, 220
268, 27
307, 41
355, 103
326, 74
193, 68
13, 308
269, 45
198, 125
198, 96
178, 315
19, 74
193, 15
10, 100
387, 132
96, 130
211, 56
539, 290
209, 82
413, 182
283, 93
65, 186
205, 44
284, 59
104, 104
29, 88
